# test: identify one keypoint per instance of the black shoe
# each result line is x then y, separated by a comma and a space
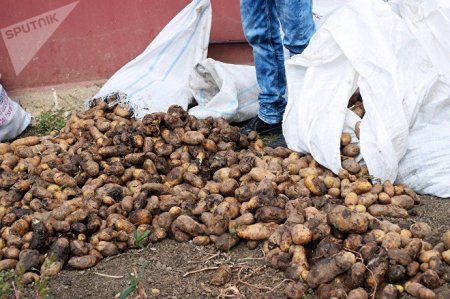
262, 128
278, 142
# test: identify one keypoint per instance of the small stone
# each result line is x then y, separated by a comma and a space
159, 265
169, 268
156, 292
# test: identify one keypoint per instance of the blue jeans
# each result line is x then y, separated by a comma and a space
261, 23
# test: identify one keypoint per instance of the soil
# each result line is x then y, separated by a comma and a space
67, 98
169, 261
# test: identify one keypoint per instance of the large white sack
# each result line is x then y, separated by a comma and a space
366, 45
224, 90
13, 119
429, 22
158, 77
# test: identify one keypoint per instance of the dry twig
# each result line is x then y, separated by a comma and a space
201, 270
107, 275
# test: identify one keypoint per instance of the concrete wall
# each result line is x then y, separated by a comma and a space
65, 41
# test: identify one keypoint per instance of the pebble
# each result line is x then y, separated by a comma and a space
169, 268
156, 292
159, 265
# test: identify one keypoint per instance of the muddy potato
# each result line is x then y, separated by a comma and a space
388, 188
221, 276
301, 235
201, 240
82, 262
347, 220
420, 230
256, 232
404, 201
7, 264
327, 269
388, 211
107, 248
315, 185
228, 187
189, 226
270, 214
193, 138
351, 166
28, 259
418, 290
277, 259
56, 257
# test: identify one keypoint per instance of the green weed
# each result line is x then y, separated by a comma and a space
134, 283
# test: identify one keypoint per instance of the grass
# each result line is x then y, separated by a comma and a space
11, 286
140, 238
134, 283
47, 122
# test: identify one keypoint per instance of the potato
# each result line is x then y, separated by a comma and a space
347, 220
7, 264
388, 211
391, 240
350, 150
56, 257
257, 232
327, 269
351, 166
228, 187
5, 148
362, 186
345, 139
358, 293
419, 291
299, 265
193, 138
270, 214
425, 256
420, 230
351, 199
403, 201
388, 188
26, 141
315, 185
82, 262
277, 259
225, 241
28, 259
243, 220
107, 248
301, 235
221, 276
189, 226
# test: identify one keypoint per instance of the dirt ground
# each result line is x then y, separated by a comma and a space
68, 98
169, 262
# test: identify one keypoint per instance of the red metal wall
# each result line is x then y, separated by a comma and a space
91, 39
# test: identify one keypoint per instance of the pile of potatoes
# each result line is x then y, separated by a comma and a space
107, 179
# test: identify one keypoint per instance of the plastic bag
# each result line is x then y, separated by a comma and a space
158, 77
367, 45
224, 90
13, 119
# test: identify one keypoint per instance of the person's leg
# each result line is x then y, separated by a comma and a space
262, 31
297, 22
